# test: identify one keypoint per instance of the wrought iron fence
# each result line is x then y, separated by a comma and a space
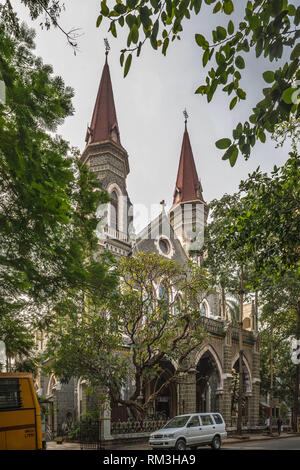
134, 427
90, 434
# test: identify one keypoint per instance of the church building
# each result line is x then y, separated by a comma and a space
171, 234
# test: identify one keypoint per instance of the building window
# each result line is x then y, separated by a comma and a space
176, 308
164, 246
203, 309
114, 210
163, 293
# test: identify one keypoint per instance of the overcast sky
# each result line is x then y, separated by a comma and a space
150, 101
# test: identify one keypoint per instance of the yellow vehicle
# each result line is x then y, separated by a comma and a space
20, 415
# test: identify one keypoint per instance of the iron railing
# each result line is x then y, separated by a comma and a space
90, 434
135, 427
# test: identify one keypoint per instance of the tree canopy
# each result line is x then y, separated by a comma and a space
268, 29
153, 318
48, 199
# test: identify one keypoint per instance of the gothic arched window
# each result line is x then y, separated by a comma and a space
114, 210
203, 309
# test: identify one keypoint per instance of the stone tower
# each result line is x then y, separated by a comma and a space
105, 155
189, 211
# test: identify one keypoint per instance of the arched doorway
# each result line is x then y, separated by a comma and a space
207, 383
235, 392
165, 403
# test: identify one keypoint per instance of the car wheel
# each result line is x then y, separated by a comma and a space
216, 443
180, 445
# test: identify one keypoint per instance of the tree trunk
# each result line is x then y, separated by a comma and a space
256, 312
241, 384
223, 304
271, 368
296, 391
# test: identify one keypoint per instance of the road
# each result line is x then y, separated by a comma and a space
290, 443
283, 443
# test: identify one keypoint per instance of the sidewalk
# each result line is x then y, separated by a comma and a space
144, 445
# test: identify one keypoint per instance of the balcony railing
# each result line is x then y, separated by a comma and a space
248, 336
116, 234
213, 326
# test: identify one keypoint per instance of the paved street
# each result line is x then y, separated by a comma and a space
291, 443
260, 442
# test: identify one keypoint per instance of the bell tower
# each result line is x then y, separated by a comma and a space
105, 155
189, 212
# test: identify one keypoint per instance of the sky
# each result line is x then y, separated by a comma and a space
150, 102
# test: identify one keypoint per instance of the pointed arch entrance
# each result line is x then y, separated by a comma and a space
165, 404
208, 381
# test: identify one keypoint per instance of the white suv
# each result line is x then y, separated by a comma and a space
190, 430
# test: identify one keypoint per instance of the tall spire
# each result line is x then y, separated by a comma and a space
104, 124
188, 187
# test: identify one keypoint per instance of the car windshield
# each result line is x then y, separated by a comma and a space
177, 422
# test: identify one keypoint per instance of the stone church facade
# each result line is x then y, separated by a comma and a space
210, 383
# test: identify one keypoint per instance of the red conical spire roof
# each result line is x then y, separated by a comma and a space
104, 125
188, 187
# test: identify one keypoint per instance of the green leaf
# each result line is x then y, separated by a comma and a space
239, 62
127, 65
221, 33
217, 7
99, 19
113, 29
262, 136
104, 9
233, 156
205, 57
259, 47
228, 7
230, 27
276, 7
165, 46
131, 4
297, 17
145, 17
287, 95
233, 103
223, 143
201, 41
155, 29
201, 90
197, 6
295, 52
241, 94
269, 76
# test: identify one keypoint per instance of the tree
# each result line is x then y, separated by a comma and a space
230, 269
268, 28
270, 223
48, 199
267, 231
280, 323
153, 318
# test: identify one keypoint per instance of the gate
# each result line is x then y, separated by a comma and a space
90, 434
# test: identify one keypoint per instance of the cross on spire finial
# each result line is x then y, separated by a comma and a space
107, 46
185, 116
163, 205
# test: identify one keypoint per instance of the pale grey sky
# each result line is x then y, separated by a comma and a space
150, 101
